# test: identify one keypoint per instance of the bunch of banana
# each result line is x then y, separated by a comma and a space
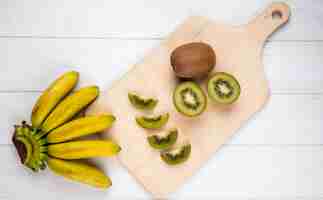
48, 140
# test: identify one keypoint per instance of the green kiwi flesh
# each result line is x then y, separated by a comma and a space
163, 142
154, 122
142, 103
189, 99
223, 88
176, 156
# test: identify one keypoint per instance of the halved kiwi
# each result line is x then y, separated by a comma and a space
154, 122
163, 142
176, 156
223, 88
141, 102
189, 99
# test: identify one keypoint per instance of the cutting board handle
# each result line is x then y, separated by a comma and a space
274, 16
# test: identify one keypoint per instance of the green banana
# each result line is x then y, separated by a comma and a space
69, 107
52, 96
84, 149
80, 127
81, 172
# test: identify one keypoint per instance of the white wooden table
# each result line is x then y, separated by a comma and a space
278, 155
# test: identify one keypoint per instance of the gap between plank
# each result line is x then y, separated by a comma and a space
248, 145
295, 93
158, 38
81, 37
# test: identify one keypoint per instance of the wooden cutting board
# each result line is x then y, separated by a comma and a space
239, 52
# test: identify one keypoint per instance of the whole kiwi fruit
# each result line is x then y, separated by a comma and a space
193, 60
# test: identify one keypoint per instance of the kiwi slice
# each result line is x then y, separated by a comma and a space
189, 99
141, 102
223, 88
176, 156
152, 122
163, 142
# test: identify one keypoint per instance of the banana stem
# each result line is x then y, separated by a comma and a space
31, 148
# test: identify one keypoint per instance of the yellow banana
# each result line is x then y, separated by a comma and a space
81, 172
80, 127
84, 149
69, 107
52, 96
58, 116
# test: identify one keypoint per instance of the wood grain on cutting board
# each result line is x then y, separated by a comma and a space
239, 52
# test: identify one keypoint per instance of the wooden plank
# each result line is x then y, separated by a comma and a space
235, 172
259, 173
41, 60
287, 119
30, 64
142, 18
294, 67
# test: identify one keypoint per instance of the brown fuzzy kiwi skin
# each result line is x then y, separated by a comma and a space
193, 60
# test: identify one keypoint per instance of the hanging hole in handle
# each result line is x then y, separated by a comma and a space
277, 15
